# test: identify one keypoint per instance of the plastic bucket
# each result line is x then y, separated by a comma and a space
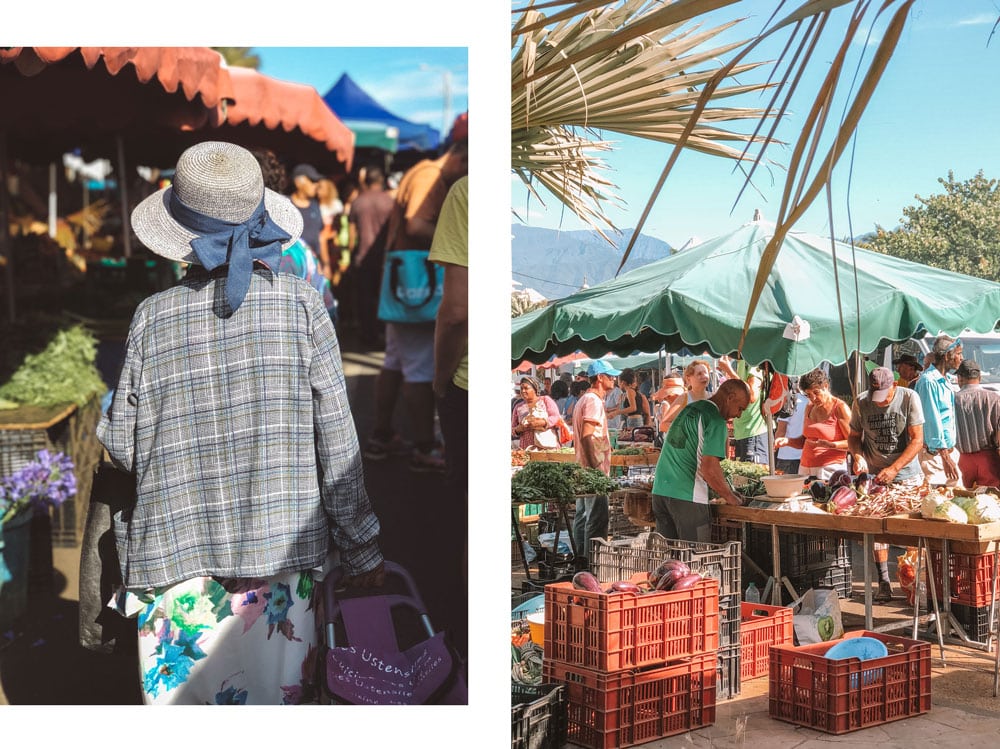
536, 626
16, 551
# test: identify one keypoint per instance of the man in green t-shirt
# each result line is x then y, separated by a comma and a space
691, 463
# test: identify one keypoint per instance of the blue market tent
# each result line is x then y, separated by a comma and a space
352, 104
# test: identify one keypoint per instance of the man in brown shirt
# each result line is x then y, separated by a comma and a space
369, 218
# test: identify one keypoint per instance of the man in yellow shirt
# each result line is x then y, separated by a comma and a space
450, 248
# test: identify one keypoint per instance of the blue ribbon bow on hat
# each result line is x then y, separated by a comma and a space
257, 238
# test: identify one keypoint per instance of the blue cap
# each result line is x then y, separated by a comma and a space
602, 367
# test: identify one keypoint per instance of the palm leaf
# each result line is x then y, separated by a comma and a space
632, 68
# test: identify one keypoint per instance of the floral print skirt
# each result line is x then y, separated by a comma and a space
231, 641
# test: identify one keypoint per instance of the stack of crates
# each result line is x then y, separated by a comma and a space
622, 558
970, 586
637, 667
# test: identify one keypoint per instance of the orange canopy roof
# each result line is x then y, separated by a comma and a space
285, 106
196, 71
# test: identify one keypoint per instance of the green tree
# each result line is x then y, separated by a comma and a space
958, 230
239, 57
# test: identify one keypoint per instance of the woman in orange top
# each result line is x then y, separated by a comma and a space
824, 428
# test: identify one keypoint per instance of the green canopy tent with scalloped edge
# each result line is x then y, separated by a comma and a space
698, 298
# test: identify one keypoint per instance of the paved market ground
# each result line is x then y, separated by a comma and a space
41, 662
963, 710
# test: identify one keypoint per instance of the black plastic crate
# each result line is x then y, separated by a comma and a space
728, 670
800, 552
729, 621
724, 529
537, 716
975, 620
838, 578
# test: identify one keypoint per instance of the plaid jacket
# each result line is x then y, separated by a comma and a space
239, 433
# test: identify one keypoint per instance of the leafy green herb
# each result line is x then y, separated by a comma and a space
540, 480
62, 373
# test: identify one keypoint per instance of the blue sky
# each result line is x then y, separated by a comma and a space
936, 109
408, 81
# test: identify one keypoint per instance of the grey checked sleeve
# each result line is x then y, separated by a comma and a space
353, 526
116, 429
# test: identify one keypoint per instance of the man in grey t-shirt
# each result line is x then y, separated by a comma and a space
887, 430
887, 435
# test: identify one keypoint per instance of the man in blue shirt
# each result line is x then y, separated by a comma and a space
939, 459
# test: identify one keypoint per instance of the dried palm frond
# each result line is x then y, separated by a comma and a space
638, 68
628, 67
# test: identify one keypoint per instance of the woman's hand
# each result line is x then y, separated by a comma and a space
372, 579
780, 441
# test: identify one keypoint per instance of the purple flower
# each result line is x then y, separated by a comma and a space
46, 482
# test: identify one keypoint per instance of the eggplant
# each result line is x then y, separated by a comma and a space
842, 498
663, 567
670, 578
586, 581
819, 490
687, 581
839, 478
624, 586
863, 482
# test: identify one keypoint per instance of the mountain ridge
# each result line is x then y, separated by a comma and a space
575, 257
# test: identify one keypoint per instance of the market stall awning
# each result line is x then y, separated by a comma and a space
350, 102
557, 361
59, 98
698, 298
374, 135
290, 118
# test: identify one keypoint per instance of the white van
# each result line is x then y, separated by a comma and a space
982, 348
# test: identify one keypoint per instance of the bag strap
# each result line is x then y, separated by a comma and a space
395, 261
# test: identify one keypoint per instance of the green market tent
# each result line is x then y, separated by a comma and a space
698, 299
378, 135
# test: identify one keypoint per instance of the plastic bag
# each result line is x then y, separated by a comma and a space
816, 617
906, 574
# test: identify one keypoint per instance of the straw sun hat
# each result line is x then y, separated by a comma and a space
219, 180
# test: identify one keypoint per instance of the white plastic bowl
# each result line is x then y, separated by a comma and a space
782, 487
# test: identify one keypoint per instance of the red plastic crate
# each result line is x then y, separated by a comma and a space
613, 631
761, 627
839, 696
970, 577
609, 711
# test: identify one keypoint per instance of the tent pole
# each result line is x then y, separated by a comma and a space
123, 194
53, 200
6, 250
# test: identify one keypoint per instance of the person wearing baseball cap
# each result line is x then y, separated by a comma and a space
593, 450
305, 179
886, 438
940, 457
909, 369
977, 428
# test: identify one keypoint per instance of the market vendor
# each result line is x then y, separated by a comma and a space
690, 464
886, 437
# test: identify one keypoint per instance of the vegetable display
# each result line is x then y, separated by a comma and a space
539, 481
64, 372
744, 477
